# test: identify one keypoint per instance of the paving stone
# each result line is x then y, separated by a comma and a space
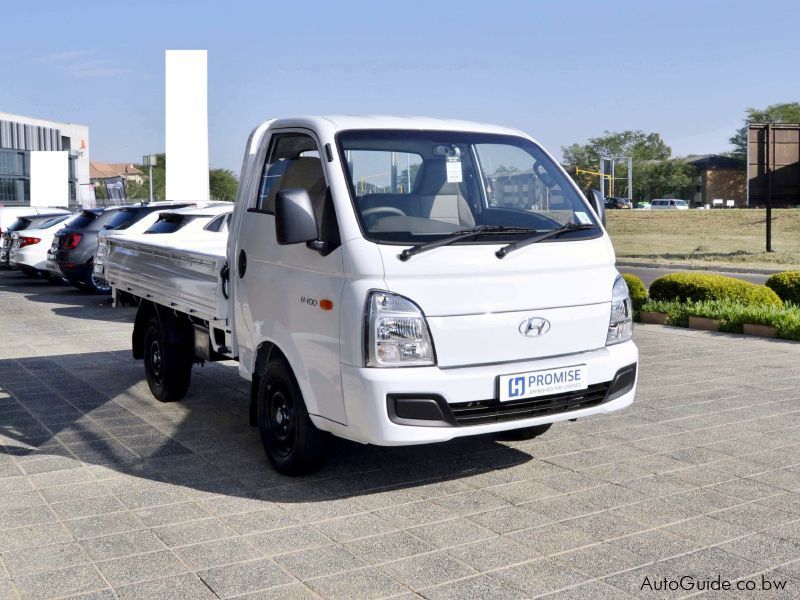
318, 562
539, 577
141, 567
242, 578
345, 529
492, 553
656, 544
481, 587
193, 532
87, 507
44, 558
764, 549
35, 535
12, 518
181, 587
216, 553
98, 525
390, 546
553, 538
451, 533
170, 514
290, 539
427, 570
122, 544
63, 582
601, 561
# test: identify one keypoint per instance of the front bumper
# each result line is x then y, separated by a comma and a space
366, 391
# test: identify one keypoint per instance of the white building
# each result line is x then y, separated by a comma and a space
43, 163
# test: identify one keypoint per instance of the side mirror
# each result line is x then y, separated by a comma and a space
596, 201
295, 221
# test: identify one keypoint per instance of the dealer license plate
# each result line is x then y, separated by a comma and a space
543, 383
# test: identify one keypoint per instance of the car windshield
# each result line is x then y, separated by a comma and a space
419, 186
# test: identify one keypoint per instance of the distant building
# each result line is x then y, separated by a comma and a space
99, 171
23, 140
718, 178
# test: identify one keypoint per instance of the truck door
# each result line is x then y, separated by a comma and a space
290, 295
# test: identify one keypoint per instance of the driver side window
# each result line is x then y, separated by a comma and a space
292, 162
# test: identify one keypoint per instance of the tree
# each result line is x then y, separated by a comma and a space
785, 112
640, 146
663, 179
223, 184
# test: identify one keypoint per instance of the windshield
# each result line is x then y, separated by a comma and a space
419, 186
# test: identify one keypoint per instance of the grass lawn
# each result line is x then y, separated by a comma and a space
732, 237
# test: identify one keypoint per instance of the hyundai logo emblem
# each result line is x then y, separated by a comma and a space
534, 327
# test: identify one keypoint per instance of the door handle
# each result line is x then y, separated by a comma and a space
241, 264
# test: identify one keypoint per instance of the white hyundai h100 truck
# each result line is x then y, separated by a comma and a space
393, 281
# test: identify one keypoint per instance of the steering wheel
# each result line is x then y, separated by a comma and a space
383, 209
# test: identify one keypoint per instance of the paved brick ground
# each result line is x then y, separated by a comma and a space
106, 493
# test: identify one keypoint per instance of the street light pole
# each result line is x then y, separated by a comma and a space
150, 161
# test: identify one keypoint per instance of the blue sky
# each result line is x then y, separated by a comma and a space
562, 71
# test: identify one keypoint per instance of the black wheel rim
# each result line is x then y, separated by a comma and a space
282, 420
156, 361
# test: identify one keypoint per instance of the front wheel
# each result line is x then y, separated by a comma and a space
168, 366
293, 444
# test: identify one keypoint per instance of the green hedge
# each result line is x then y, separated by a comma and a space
786, 285
636, 289
698, 286
731, 315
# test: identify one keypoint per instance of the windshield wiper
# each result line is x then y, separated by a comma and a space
457, 236
542, 236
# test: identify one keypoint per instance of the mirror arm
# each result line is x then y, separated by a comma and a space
318, 245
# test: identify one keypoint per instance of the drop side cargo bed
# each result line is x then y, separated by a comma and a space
181, 275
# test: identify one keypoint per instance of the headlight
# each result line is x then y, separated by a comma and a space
620, 327
397, 333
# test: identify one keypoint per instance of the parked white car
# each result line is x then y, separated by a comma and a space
193, 221
9, 214
187, 222
28, 251
669, 204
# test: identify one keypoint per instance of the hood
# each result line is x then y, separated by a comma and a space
475, 303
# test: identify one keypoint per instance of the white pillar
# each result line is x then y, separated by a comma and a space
186, 132
49, 178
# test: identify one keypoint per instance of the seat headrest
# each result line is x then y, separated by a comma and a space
431, 180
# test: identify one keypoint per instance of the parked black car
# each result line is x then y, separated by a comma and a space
22, 223
618, 203
73, 248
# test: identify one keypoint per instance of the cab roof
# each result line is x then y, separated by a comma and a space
345, 122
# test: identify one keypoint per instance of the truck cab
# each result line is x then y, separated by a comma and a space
401, 280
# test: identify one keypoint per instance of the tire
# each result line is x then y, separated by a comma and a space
95, 284
526, 433
168, 366
292, 443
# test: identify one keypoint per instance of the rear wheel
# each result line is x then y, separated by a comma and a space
94, 284
167, 365
293, 444
526, 433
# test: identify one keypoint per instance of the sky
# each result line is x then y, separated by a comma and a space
562, 71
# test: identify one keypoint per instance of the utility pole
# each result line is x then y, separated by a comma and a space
769, 155
150, 161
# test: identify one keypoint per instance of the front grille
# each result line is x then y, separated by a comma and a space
494, 411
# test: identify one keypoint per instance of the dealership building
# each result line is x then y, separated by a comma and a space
43, 163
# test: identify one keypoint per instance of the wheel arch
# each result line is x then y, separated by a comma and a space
177, 330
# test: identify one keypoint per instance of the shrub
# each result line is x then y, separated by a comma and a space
786, 285
698, 287
637, 291
731, 315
